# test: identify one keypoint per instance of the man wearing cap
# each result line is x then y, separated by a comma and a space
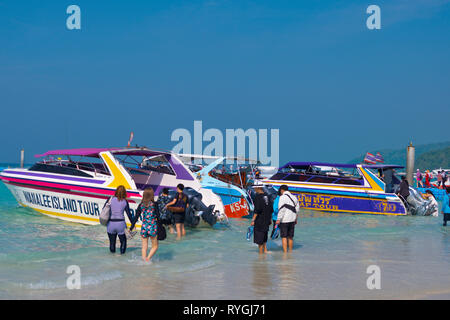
261, 218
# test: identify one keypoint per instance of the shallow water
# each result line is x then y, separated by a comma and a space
330, 258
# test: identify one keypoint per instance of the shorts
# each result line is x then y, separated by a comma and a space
259, 237
116, 227
178, 217
287, 229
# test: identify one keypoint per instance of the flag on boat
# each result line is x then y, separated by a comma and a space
131, 139
370, 158
379, 157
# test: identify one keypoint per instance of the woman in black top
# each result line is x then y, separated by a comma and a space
178, 207
262, 218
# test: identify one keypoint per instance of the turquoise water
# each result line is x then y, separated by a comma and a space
330, 258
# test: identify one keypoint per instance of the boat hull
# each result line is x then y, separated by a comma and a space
234, 203
69, 207
347, 201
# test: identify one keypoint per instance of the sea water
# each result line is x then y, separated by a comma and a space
331, 256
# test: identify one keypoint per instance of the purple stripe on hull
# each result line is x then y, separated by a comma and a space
42, 175
180, 171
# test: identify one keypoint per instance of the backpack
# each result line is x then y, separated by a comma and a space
105, 215
161, 231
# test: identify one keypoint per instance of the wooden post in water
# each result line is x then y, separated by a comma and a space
410, 153
22, 157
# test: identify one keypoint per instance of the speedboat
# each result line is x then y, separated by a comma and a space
74, 184
227, 183
331, 187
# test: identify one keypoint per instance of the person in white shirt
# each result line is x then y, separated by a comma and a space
430, 196
288, 207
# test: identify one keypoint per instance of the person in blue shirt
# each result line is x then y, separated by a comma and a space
446, 208
275, 214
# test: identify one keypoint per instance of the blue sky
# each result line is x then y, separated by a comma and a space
311, 69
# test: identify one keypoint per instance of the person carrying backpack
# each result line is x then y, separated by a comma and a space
288, 207
178, 206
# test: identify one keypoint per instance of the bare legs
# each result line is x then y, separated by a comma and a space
262, 248
180, 230
145, 248
288, 243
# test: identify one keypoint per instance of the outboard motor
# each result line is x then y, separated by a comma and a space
196, 205
417, 205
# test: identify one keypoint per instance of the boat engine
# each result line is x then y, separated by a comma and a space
198, 209
417, 205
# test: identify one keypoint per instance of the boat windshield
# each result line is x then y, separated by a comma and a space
236, 171
72, 165
389, 176
320, 174
139, 165
142, 168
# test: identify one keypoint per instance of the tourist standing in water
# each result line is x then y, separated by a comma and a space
178, 207
444, 179
275, 214
430, 196
261, 219
427, 179
288, 207
439, 179
404, 191
149, 229
166, 215
446, 208
419, 178
116, 225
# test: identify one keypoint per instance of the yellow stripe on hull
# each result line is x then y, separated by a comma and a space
351, 211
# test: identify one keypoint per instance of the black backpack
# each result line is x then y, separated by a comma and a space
161, 231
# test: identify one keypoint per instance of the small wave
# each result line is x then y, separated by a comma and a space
198, 266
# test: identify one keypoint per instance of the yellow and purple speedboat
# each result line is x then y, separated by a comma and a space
346, 188
74, 184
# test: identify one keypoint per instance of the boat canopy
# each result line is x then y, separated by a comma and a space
305, 165
192, 157
94, 152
